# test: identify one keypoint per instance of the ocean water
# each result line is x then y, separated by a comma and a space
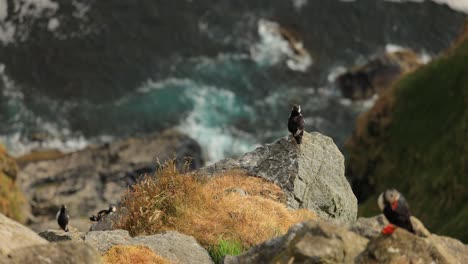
223, 73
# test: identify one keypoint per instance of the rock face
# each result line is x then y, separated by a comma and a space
403, 247
14, 235
310, 242
326, 242
311, 174
11, 199
88, 181
377, 75
63, 252
172, 245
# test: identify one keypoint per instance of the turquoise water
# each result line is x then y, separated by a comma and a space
228, 80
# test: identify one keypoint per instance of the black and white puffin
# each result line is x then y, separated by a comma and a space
396, 210
63, 218
102, 213
296, 123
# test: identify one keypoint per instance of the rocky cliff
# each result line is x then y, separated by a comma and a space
311, 174
89, 180
358, 242
415, 139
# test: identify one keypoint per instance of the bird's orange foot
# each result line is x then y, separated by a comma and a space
389, 229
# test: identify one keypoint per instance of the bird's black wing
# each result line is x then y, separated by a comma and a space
299, 120
400, 216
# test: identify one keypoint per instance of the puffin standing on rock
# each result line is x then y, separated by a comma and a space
296, 123
396, 210
101, 214
62, 218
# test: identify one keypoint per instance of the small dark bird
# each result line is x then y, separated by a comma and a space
396, 210
62, 218
296, 123
101, 214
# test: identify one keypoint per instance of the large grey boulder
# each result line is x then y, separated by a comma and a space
359, 242
172, 245
89, 180
63, 252
311, 174
176, 247
13, 235
404, 247
309, 242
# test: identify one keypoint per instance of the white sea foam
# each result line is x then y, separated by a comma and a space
457, 5
273, 48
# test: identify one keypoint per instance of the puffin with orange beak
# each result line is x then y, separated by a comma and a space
396, 210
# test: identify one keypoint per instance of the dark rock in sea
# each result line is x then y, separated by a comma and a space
377, 75
311, 174
89, 180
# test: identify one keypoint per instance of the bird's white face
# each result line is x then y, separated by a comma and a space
113, 209
299, 110
389, 196
392, 196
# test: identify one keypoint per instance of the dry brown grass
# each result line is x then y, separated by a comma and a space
132, 255
11, 198
209, 209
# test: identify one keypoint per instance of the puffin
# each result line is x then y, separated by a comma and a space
296, 123
395, 208
101, 214
63, 218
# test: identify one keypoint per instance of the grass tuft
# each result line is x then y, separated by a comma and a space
225, 248
132, 255
208, 209
11, 198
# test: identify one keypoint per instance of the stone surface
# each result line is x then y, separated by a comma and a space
176, 247
89, 180
372, 227
362, 82
403, 247
13, 235
107, 222
104, 240
63, 252
359, 242
77, 224
311, 174
309, 242
60, 235
172, 245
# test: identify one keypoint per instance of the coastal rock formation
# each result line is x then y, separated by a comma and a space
172, 245
405, 141
14, 235
362, 82
11, 198
62, 252
311, 174
89, 180
318, 241
325, 242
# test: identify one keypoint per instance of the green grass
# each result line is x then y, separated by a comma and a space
224, 248
423, 151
